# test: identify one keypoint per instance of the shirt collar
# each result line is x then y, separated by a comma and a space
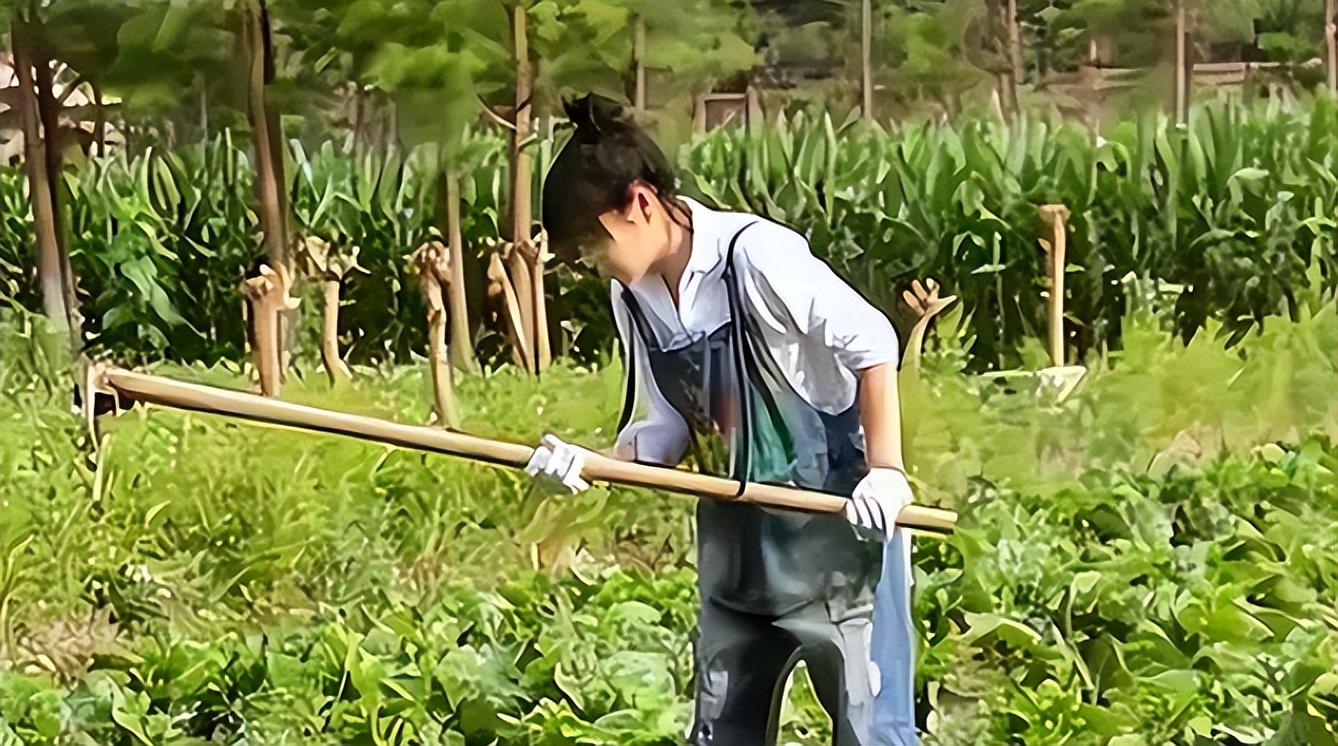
708, 227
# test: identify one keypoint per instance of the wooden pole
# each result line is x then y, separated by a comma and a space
639, 53
1056, 217
866, 59
152, 389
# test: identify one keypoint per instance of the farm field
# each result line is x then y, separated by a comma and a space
1127, 573
1105, 232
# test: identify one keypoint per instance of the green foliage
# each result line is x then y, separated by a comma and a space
160, 243
1224, 218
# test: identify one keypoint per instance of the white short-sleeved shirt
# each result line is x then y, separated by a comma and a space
818, 329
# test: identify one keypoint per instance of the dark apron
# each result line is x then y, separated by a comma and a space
748, 423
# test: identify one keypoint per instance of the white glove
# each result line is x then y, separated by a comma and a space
557, 465
877, 500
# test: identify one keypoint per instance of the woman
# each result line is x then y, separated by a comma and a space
749, 357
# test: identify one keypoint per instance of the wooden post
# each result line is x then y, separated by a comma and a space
699, 115
924, 301
866, 59
462, 346
1056, 246
432, 263
639, 53
320, 263
1182, 70
537, 255
503, 294
1331, 41
335, 367
267, 299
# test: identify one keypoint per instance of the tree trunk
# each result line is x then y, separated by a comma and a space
266, 141
48, 107
866, 59
334, 365
448, 202
1015, 63
520, 270
1181, 63
260, 116
1001, 16
204, 108
39, 190
1331, 41
99, 123
639, 53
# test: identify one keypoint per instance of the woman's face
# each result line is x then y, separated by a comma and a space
638, 237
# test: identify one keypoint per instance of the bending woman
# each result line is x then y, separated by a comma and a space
748, 357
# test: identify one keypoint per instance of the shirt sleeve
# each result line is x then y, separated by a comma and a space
793, 291
661, 436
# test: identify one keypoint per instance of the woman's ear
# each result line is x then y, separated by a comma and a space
642, 203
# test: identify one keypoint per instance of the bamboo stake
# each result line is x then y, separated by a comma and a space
1056, 217
152, 389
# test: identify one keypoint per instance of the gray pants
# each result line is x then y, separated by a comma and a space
744, 660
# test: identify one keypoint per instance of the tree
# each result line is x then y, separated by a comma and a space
51, 260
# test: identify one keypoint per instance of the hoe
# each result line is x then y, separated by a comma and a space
108, 388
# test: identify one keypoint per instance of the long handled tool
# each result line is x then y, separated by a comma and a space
142, 387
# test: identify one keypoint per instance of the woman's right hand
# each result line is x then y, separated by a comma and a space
556, 466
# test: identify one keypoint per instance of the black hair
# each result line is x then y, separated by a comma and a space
606, 154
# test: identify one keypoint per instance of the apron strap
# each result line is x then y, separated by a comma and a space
635, 326
742, 455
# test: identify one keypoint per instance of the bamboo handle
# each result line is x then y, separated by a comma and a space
152, 389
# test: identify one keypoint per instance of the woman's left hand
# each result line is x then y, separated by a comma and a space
877, 500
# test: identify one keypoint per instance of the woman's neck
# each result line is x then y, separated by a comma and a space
677, 254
